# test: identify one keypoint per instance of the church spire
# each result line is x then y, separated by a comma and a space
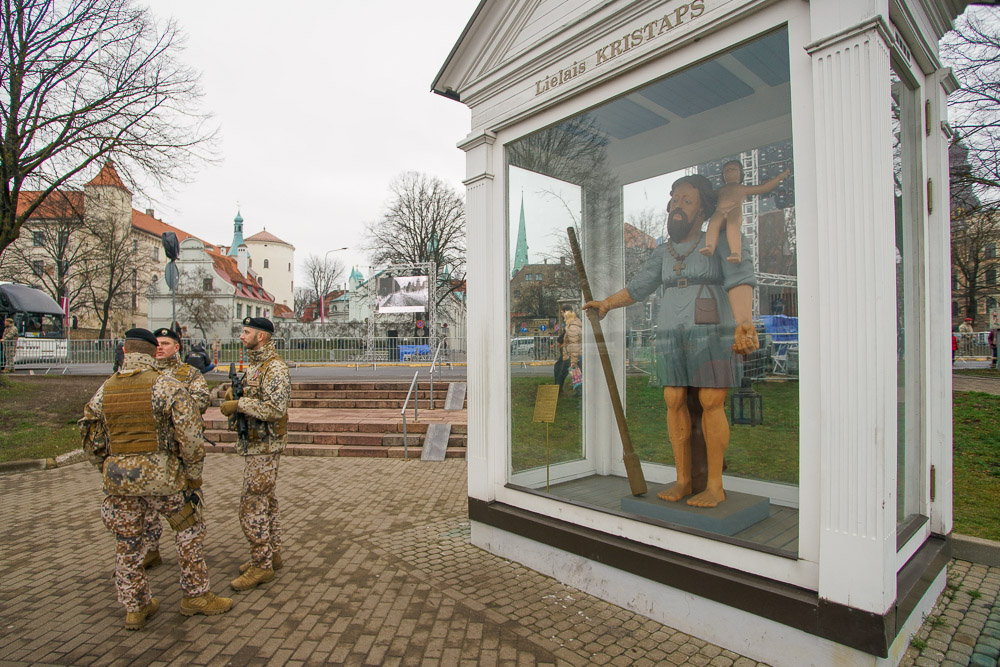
237, 234
521, 250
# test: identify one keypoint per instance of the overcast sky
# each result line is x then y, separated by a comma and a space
319, 105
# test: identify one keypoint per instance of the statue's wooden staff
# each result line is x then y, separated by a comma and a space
636, 481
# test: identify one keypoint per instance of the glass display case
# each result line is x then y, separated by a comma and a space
609, 174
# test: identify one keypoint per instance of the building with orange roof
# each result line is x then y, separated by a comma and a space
64, 249
215, 292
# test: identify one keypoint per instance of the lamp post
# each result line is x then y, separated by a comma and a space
322, 305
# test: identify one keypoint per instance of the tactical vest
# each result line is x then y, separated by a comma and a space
254, 389
128, 410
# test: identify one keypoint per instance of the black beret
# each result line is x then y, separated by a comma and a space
164, 332
261, 323
144, 335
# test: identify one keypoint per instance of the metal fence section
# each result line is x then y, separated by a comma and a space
222, 352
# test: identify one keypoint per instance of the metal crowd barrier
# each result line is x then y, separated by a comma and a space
61, 352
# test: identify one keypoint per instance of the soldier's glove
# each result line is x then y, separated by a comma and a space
229, 394
194, 483
229, 408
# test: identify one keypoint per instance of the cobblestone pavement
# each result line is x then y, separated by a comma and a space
379, 571
964, 626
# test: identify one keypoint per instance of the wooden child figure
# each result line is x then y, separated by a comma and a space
728, 212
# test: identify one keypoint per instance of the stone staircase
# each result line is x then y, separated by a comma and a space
359, 419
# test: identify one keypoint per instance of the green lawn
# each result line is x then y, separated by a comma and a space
977, 464
769, 452
763, 452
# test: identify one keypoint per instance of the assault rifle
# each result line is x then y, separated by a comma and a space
242, 430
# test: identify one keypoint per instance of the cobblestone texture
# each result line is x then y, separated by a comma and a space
378, 571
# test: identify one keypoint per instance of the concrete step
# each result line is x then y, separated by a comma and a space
340, 426
346, 438
413, 452
374, 385
362, 403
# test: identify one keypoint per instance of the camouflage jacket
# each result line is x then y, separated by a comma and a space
9, 333
180, 443
190, 377
267, 388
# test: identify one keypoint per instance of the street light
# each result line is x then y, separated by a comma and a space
322, 305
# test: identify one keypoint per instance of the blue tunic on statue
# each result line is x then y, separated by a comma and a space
689, 354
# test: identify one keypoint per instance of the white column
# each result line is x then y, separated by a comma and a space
857, 297
486, 340
937, 392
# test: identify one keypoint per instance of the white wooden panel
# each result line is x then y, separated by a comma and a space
857, 322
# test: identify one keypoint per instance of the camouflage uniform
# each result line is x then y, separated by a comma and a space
9, 343
164, 450
191, 378
267, 387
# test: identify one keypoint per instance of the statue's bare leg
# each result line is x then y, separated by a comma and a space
716, 430
733, 224
679, 428
715, 225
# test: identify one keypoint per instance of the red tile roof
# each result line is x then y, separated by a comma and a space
227, 268
283, 311
108, 176
265, 237
150, 225
58, 205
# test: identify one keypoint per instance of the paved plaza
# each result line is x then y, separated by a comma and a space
379, 571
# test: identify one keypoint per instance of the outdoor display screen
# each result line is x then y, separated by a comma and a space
402, 294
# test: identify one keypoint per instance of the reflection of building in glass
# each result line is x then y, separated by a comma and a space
536, 290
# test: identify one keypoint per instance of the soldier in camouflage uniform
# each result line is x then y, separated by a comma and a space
8, 345
168, 362
267, 388
143, 431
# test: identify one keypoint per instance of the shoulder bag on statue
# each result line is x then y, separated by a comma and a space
706, 310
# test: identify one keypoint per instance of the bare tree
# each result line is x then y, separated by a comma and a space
303, 297
111, 272
424, 221
85, 81
972, 49
322, 273
50, 249
197, 301
975, 234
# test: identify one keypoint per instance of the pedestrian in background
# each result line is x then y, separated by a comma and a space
992, 340
143, 432
8, 346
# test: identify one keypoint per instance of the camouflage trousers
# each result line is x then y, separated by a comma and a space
152, 531
9, 349
125, 516
259, 508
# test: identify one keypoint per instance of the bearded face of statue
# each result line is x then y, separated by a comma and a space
684, 212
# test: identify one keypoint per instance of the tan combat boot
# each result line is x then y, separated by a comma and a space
151, 560
251, 578
208, 604
275, 564
136, 620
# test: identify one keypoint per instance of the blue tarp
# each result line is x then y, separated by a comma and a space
782, 328
413, 350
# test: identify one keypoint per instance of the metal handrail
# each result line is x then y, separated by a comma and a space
431, 371
402, 412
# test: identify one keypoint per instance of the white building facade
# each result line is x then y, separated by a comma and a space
601, 107
274, 263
